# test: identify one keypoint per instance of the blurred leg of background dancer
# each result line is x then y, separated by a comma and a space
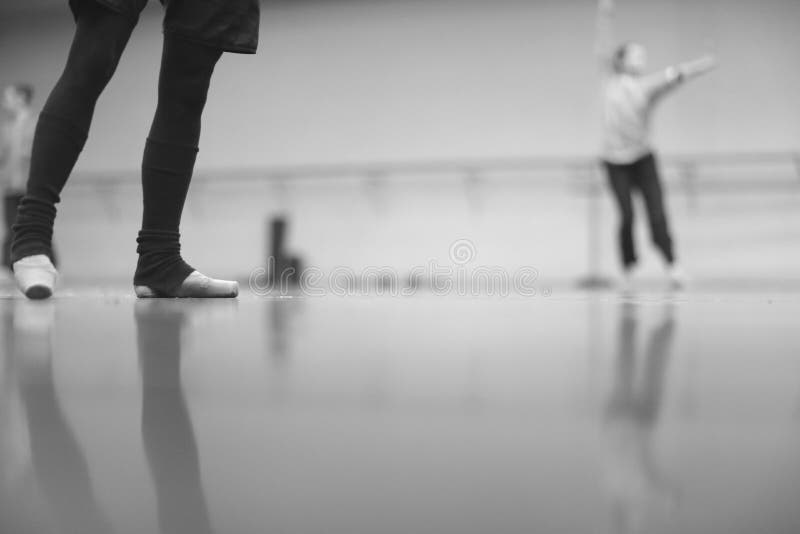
16, 140
621, 186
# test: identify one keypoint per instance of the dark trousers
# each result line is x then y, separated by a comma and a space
641, 175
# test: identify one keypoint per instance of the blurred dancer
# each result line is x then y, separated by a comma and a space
629, 97
16, 138
195, 36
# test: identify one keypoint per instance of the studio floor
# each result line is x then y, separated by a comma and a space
576, 412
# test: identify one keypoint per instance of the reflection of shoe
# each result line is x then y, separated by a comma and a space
627, 282
161, 311
677, 278
36, 276
196, 285
34, 317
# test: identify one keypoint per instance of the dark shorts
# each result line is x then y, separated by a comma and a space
230, 25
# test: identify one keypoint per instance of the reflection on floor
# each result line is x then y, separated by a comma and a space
634, 481
570, 413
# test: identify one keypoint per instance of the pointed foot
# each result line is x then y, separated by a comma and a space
196, 285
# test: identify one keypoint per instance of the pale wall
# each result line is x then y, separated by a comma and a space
359, 80
395, 80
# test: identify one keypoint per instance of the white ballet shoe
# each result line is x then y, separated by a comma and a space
36, 276
196, 285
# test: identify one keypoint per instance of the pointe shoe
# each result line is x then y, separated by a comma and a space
36, 276
196, 285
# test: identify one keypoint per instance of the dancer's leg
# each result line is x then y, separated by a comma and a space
650, 184
170, 151
100, 38
620, 181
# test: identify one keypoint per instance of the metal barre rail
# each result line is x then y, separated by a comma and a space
582, 174
689, 166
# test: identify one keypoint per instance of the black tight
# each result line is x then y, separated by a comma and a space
100, 38
168, 161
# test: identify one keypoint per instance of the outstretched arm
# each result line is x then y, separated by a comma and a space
604, 35
660, 83
697, 67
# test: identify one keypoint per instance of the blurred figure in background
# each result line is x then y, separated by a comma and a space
629, 98
16, 139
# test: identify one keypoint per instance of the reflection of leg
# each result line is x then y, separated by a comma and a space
619, 179
650, 184
100, 38
58, 461
167, 431
649, 403
626, 361
623, 464
278, 330
14, 455
658, 352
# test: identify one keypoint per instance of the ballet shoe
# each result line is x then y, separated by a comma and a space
196, 285
36, 276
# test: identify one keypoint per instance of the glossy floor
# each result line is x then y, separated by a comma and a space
574, 413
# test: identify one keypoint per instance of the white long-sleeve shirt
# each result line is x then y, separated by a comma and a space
628, 103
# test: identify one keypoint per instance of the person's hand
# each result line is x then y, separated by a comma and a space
707, 62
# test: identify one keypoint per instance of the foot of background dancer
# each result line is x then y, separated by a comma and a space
627, 283
196, 285
677, 277
36, 276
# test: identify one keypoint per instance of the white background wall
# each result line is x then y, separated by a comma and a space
359, 80
396, 80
